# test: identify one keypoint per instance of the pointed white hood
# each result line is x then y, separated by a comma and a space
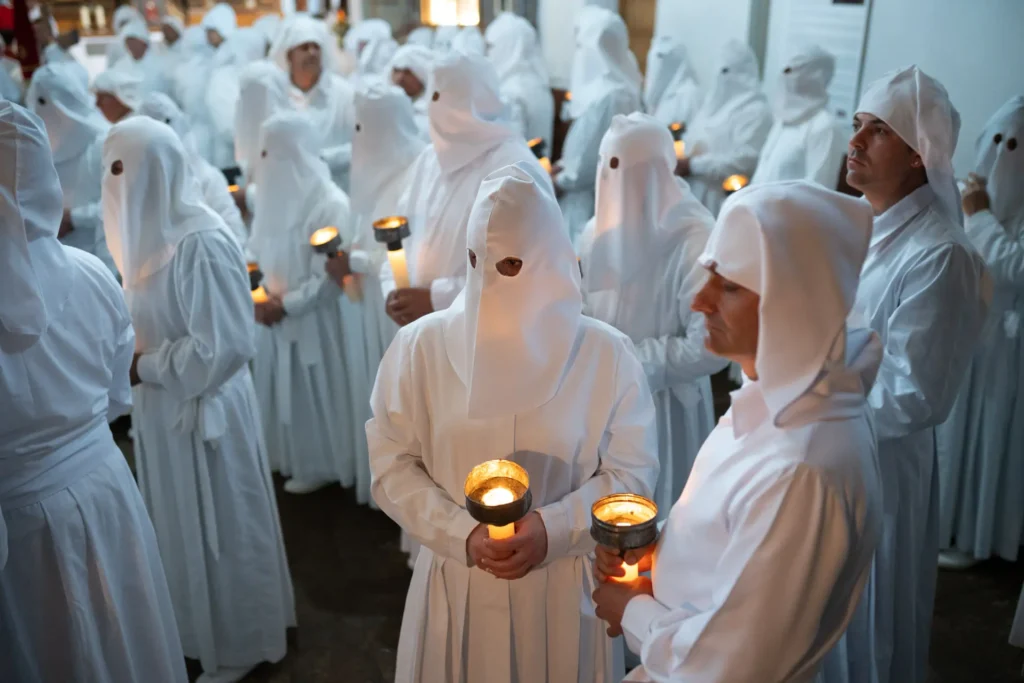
62, 101
668, 69
603, 61
262, 92
1000, 160
803, 85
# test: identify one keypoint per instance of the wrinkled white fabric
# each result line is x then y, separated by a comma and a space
640, 274
212, 183
444, 36
360, 34
12, 84
782, 512
73, 529
513, 48
671, 91
923, 290
221, 18
806, 141
918, 108
76, 130
731, 127
375, 58
244, 47
587, 434
982, 511
126, 84
469, 41
301, 370
471, 137
605, 82
262, 92
270, 26
123, 16
202, 465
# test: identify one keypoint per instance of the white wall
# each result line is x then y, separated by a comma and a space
704, 26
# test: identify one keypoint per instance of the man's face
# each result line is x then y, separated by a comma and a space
407, 81
136, 47
42, 30
170, 35
878, 158
731, 316
113, 109
214, 38
305, 59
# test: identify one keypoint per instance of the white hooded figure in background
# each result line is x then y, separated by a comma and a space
513, 48
605, 82
303, 51
172, 53
12, 81
471, 137
270, 26
244, 47
763, 559
981, 471
124, 15
805, 143
212, 183
142, 56
422, 36
639, 257
76, 130
119, 92
192, 53
202, 467
218, 25
410, 70
444, 36
83, 596
302, 377
51, 50
262, 92
375, 60
511, 370
470, 41
358, 36
385, 146
671, 92
730, 129
925, 291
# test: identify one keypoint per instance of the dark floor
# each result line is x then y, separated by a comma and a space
350, 582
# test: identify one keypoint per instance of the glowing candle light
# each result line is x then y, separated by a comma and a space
391, 231
255, 275
259, 296
680, 148
232, 188
734, 183
624, 521
498, 494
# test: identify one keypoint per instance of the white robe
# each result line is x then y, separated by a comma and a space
580, 157
922, 291
83, 596
203, 467
811, 150
81, 179
461, 623
762, 560
301, 373
668, 338
330, 106
981, 473
216, 196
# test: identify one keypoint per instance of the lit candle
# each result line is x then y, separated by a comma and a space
391, 231
568, 96
259, 296
232, 188
632, 573
680, 148
624, 521
255, 275
84, 17
734, 183
499, 496
101, 17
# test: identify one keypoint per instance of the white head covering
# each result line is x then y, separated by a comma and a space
270, 26
470, 41
262, 92
602, 61
443, 38
513, 48
416, 59
292, 178
668, 68
221, 18
162, 108
467, 116
1000, 159
917, 107
800, 247
803, 85
125, 15
62, 101
154, 202
246, 45
386, 141
737, 85
421, 35
376, 56
364, 31
640, 203
34, 273
125, 84
175, 23
299, 31
137, 30
509, 339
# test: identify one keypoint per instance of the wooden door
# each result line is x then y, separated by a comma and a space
639, 16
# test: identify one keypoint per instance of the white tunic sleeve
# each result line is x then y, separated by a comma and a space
929, 341
824, 152
789, 541
215, 192
1003, 254
119, 398
751, 131
213, 295
443, 291
401, 485
628, 463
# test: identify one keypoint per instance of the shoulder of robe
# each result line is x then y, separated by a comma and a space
940, 240
211, 246
94, 274
604, 340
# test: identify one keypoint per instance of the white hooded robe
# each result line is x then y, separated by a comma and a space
671, 92
513, 48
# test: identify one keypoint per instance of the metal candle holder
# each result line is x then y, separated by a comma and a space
495, 474
677, 129
326, 241
536, 146
734, 183
624, 521
255, 274
391, 230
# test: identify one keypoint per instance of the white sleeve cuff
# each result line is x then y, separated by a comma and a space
556, 523
359, 262
147, 369
640, 613
443, 292
458, 533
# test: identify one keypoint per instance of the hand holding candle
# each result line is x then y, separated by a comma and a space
391, 231
621, 524
498, 494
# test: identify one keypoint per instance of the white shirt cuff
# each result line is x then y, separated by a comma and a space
459, 532
640, 613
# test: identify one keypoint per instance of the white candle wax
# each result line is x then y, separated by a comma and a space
680, 148
399, 268
632, 573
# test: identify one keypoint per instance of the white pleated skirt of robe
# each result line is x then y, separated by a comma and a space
83, 595
213, 507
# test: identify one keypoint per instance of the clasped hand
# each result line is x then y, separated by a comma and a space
510, 558
611, 597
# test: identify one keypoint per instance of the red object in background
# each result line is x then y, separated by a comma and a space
28, 50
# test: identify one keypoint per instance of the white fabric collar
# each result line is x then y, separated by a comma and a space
900, 213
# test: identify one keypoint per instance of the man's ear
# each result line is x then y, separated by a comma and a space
917, 161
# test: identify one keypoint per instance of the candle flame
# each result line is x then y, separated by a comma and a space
735, 182
232, 188
323, 236
259, 295
252, 266
497, 496
390, 222
675, 127
534, 142
545, 163
568, 96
